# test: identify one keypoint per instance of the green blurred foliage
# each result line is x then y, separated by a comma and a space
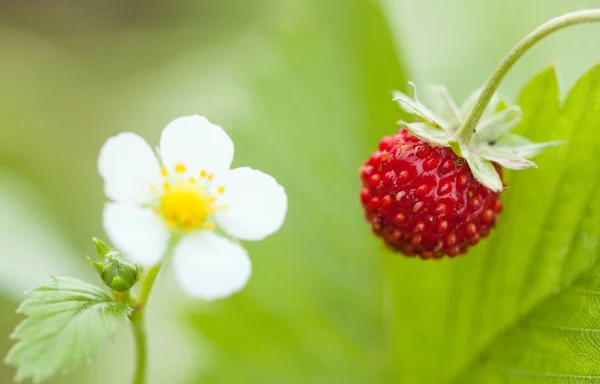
304, 88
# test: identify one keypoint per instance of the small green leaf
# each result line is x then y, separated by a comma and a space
484, 172
65, 324
428, 133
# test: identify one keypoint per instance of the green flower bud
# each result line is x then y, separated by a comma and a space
117, 272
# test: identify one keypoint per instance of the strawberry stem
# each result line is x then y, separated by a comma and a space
465, 133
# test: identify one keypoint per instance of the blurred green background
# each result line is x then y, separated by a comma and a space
303, 87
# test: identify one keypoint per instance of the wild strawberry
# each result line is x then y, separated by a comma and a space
424, 200
430, 190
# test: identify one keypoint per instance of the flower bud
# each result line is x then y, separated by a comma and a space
117, 272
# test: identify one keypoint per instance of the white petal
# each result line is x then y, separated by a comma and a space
211, 267
197, 144
129, 168
138, 232
255, 204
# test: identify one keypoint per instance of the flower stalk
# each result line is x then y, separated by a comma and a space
491, 86
138, 325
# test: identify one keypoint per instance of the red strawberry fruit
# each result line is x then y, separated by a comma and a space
432, 189
424, 200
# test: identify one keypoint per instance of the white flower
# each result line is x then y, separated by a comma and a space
189, 189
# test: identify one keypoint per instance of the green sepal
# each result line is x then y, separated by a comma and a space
428, 133
506, 159
499, 124
491, 141
97, 266
413, 106
485, 172
101, 248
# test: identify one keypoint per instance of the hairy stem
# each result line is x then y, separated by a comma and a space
137, 317
491, 85
138, 325
139, 335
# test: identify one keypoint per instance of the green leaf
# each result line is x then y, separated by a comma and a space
556, 342
545, 240
66, 323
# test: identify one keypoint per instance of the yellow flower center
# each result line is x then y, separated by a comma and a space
185, 204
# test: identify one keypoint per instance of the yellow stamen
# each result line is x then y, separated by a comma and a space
192, 180
153, 187
185, 206
221, 190
211, 199
203, 174
209, 226
166, 186
164, 172
210, 177
180, 168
